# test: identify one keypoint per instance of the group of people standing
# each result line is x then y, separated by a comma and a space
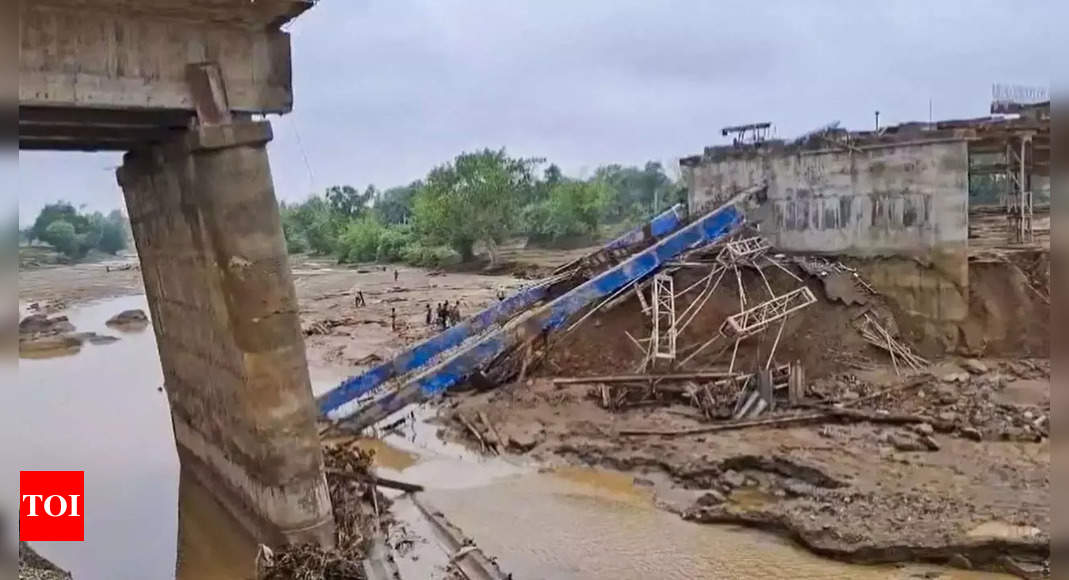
445, 315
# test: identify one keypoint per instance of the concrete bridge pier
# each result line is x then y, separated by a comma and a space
206, 225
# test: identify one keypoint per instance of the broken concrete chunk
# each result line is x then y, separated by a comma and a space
903, 442
796, 488
732, 478
946, 395
924, 429
959, 561
930, 443
962, 377
974, 366
522, 437
711, 497
972, 433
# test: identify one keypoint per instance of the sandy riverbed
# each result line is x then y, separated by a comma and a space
842, 490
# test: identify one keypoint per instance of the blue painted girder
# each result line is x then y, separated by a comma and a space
421, 354
713, 227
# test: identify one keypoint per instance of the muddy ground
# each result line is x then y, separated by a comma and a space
967, 486
964, 481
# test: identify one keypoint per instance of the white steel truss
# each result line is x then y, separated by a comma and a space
664, 317
743, 251
755, 319
1019, 196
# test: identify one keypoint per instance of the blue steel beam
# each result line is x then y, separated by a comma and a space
421, 354
662, 225
712, 227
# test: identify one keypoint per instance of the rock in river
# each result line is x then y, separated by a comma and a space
129, 318
41, 324
49, 346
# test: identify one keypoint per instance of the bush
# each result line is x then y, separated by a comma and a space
60, 233
360, 241
392, 244
295, 243
112, 238
416, 254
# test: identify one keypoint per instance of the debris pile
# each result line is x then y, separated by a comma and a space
349, 480
34, 567
735, 373
966, 403
718, 392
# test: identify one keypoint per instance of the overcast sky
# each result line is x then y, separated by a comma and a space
386, 89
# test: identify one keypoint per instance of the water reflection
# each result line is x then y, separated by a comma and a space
211, 544
100, 411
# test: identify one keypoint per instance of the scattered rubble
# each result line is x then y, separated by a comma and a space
34, 567
753, 372
354, 526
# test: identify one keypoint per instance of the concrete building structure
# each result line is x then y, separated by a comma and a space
176, 84
901, 193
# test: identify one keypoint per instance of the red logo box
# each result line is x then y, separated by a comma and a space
52, 506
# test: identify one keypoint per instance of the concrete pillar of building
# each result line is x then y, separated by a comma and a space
213, 257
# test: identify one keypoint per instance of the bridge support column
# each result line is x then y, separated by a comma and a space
206, 226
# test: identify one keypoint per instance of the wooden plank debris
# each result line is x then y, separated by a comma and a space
640, 378
379, 481
822, 415
478, 436
796, 384
499, 443
878, 336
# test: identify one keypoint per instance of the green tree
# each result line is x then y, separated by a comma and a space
360, 241
311, 225
638, 192
394, 206
60, 210
113, 234
60, 233
392, 242
476, 198
573, 208
347, 202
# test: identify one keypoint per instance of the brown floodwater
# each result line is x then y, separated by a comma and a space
99, 410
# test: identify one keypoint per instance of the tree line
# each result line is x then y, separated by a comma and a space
73, 233
480, 198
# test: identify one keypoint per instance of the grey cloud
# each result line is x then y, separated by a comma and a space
387, 89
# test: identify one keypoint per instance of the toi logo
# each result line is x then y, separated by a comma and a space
51, 506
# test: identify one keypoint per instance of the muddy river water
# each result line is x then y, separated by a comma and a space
100, 410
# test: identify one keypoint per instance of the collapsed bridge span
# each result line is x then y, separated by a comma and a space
473, 357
